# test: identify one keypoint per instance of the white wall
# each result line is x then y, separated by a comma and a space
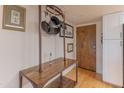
98, 44
18, 50
54, 44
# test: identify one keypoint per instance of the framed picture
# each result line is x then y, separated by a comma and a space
14, 18
70, 47
69, 31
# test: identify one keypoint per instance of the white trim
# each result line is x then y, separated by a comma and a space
14, 26
87, 24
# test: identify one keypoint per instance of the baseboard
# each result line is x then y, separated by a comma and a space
86, 69
115, 86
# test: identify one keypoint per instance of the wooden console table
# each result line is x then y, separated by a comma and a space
49, 70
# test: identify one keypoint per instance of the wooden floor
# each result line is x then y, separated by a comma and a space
88, 79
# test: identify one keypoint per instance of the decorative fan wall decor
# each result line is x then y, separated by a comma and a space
55, 24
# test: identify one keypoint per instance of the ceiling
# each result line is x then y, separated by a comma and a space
80, 14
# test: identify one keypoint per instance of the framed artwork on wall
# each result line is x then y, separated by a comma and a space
69, 47
69, 31
14, 18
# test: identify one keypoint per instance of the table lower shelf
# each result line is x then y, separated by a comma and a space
65, 83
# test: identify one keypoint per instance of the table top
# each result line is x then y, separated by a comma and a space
49, 70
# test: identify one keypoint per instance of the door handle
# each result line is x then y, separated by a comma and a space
121, 43
93, 45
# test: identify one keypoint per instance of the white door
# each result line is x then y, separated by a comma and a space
113, 62
112, 26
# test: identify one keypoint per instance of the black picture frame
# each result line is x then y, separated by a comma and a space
69, 31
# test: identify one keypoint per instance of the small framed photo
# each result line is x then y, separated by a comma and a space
69, 31
14, 18
69, 47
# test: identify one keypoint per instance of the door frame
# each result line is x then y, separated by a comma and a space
96, 42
